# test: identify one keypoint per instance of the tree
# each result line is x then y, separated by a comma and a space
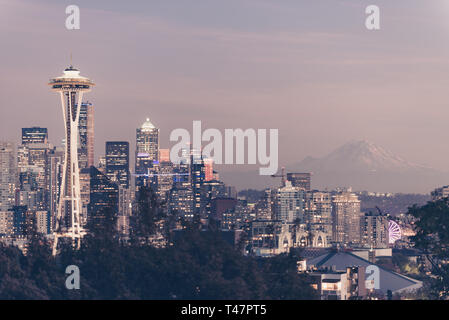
432, 237
149, 212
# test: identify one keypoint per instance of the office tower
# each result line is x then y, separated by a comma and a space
164, 155
19, 220
43, 221
33, 174
300, 180
346, 218
117, 162
264, 207
34, 135
104, 195
71, 87
211, 190
8, 175
55, 168
374, 230
181, 174
208, 169
85, 194
147, 150
181, 201
289, 204
126, 199
318, 214
197, 176
165, 179
6, 223
86, 129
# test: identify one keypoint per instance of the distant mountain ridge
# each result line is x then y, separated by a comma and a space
363, 156
366, 166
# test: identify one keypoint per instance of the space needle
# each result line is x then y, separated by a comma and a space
71, 87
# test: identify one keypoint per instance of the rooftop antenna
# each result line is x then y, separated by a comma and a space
71, 65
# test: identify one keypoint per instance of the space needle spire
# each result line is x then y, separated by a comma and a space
71, 87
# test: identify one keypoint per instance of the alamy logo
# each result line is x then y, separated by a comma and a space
256, 141
373, 20
73, 20
373, 278
72, 282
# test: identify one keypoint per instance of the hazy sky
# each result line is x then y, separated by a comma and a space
309, 68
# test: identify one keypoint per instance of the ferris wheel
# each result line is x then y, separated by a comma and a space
394, 232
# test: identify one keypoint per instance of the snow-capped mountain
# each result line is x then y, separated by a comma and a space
365, 166
360, 156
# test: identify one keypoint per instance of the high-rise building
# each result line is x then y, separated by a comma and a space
8, 175
300, 180
346, 218
164, 155
55, 167
104, 195
264, 207
33, 174
19, 220
87, 135
34, 135
211, 190
71, 87
43, 221
318, 213
289, 204
164, 179
197, 176
374, 231
181, 201
6, 223
147, 150
85, 194
117, 162
208, 169
126, 198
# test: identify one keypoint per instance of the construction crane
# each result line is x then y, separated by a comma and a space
282, 175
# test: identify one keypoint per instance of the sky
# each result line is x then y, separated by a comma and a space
308, 68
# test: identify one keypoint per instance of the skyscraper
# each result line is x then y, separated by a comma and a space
55, 168
33, 173
374, 230
104, 195
165, 179
87, 132
147, 146
208, 169
147, 152
117, 162
289, 204
346, 218
318, 214
71, 87
34, 135
197, 175
8, 175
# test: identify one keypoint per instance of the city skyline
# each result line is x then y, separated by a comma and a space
402, 99
240, 149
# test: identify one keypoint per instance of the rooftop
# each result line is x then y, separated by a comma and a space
147, 125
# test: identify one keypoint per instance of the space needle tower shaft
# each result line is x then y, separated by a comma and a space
71, 87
